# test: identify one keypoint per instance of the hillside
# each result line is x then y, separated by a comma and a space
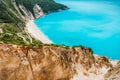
11, 10
49, 62
24, 58
16, 13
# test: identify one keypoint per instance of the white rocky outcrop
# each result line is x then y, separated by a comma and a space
38, 12
28, 15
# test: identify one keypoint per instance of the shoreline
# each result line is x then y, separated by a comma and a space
36, 33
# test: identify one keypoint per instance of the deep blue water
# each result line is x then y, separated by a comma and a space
95, 24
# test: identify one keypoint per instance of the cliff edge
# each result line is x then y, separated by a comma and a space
34, 60
51, 63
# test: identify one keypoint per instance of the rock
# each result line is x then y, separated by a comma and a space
50, 63
114, 73
38, 12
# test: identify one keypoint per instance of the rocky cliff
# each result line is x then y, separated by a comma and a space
17, 11
14, 14
44, 62
51, 63
113, 73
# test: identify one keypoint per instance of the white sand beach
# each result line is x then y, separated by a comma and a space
32, 29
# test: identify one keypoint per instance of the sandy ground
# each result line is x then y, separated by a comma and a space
32, 29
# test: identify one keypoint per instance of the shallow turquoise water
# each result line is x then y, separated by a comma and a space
95, 24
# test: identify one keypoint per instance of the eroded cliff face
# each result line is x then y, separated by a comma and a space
21, 11
27, 14
31, 9
50, 63
38, 12
114, 73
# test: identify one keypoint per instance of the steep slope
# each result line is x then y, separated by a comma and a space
8, 13
16, 10
51, 63
114, 73
45, 62
14, 14
46, 5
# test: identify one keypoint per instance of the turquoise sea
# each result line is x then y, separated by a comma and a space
92, 23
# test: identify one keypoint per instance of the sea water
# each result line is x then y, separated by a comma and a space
91, 23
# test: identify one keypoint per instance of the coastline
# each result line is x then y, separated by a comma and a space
32, 29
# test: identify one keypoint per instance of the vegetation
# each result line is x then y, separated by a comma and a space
46, 5
12, 24
56, 45
8, 14
82, 47
13, 35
